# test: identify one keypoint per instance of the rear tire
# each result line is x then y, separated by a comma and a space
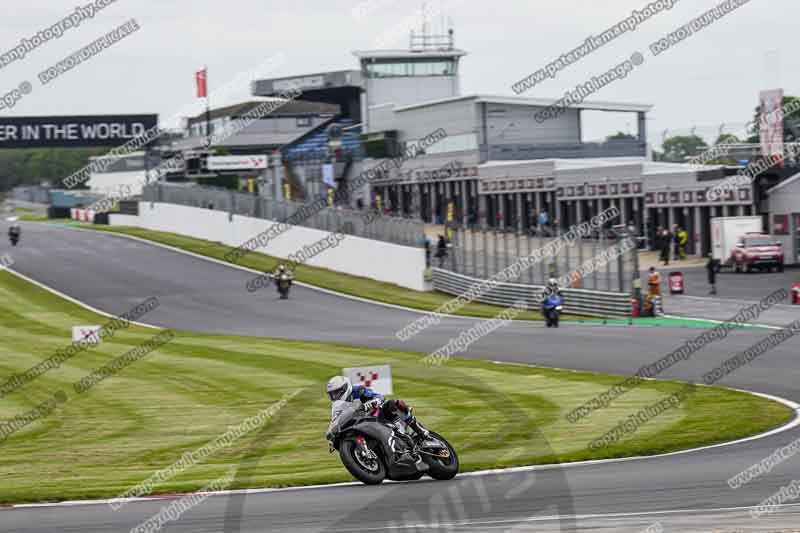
347, 453
442, 469
780, 267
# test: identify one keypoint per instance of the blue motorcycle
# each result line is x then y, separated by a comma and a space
553, 305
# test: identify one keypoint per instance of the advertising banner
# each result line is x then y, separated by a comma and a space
73, 132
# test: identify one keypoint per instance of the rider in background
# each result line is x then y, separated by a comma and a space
340, 389
14, 232
550, 289
281, 270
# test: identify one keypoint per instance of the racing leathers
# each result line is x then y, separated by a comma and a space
387, 409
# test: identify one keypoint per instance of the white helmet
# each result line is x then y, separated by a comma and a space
339, 388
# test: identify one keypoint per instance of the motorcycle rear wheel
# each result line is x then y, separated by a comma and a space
348, 453
442, 468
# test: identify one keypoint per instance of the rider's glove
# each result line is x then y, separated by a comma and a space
373, 404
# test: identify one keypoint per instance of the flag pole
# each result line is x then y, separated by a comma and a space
208, 109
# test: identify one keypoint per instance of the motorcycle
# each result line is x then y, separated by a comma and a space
553, 306
284, 282
13, 237
373, 448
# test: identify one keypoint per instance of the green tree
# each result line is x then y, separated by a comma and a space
619, 136
681, 147
28, 166
727, 138
791, 121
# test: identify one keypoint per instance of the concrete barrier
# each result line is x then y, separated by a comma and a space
382, 261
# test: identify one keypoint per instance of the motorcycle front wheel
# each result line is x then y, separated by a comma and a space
368, 470
442, 462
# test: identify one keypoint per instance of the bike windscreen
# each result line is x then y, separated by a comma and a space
342, 412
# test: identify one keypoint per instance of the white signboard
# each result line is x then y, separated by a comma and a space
89, 333
377, 378
237, 162
298, 83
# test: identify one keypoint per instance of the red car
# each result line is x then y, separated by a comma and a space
755, 250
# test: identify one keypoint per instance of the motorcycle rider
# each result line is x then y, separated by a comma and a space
552, 287
549, 289
551, 311
339, 388
14, 233
281, 270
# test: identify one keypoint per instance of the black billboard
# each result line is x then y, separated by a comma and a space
73, 132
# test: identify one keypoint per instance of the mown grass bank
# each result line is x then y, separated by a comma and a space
189, 391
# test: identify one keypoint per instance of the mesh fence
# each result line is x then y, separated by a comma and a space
315, 214
604, 263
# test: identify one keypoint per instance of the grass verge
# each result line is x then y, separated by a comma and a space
188, 392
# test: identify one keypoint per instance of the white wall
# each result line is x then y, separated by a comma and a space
391, 263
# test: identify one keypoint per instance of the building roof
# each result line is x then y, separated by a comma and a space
538, 102
409, 54
293, 107
648, 167
785, 183
660, 167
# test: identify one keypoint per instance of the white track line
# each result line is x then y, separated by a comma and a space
73, 300
498, 471
732, 300
485, 523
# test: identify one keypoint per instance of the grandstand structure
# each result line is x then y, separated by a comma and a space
499, 167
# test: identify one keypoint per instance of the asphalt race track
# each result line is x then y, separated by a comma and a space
682, 492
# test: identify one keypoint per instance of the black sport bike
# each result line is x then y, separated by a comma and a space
373, 448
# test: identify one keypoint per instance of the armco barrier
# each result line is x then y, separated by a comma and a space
576, 301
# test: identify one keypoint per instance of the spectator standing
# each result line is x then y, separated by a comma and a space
654, 282
675, 242
441, 250
666, 241
544, 221
712, 267
427, 252
683, 241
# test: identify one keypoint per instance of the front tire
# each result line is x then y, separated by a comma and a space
367, 472
442, 468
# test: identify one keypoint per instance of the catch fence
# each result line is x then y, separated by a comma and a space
315, 214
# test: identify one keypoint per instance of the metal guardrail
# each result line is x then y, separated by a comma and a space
348, 221
483, 253
576, 301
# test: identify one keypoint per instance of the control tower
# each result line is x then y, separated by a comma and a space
427, 71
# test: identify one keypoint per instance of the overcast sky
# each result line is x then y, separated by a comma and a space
711, 78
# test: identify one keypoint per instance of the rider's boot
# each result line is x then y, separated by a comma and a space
419, 429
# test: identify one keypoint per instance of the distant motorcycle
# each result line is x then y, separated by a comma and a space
13, 235
553, 306
373, 449
284, 282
